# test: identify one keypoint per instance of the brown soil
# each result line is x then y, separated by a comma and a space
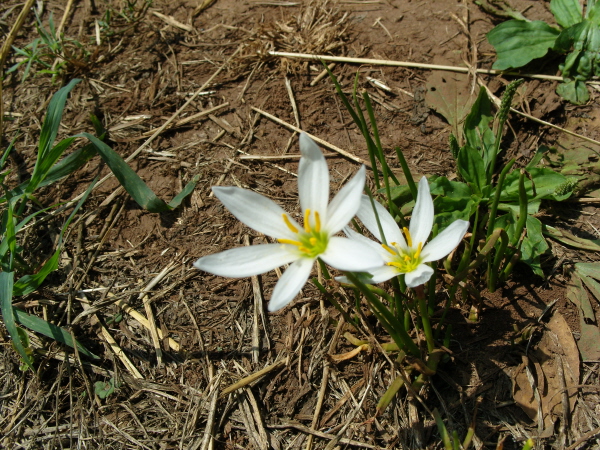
137, 78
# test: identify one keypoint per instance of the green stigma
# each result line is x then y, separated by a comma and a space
404, 261
311, 241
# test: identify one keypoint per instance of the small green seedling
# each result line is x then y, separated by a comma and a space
518, 42
105, 388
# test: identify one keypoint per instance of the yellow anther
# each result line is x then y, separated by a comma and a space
408, 238
307, 220
289, 224
290, 241
389, 249
406, 258
313, 241
317, 222
418, 252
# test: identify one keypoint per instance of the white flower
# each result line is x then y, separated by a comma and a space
298, 245
406, 251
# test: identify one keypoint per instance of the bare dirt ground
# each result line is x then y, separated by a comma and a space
215, 332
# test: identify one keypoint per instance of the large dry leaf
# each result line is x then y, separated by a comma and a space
590, 333
553, 370
451, 95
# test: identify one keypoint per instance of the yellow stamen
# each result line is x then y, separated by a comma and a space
313, 241
289, 224
418, 252
406, 258
307, 221
408, 238
317, 222
289, 241
389, 249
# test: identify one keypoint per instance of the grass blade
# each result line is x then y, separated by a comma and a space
49, 329
8, 317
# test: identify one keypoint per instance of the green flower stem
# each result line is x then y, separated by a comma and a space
494, 205
420, 291
494, 268
409, 178
392, 325
522, 209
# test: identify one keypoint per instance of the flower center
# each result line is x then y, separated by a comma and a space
311, 241
404, 260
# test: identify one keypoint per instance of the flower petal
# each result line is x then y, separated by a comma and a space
353, 256
388, 224
345, 204
247, 261
257, 211
445, 242
419, 276
290, 283
313, 177
365, 240
421, 221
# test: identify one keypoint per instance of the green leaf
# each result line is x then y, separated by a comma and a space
571, 240
546, 182
574, 91
133, 184
104, 389
50, 330
471, 168
477, 126
8, 316
534, 245
446, 188
448, 209
566, 12
517, 42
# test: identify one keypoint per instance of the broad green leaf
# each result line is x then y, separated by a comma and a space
8, 316
534, 245
49, 329
589, 269
477, 126
566, 12
471, 168
448, 209
446, 188
517, 42
574, 91
133, 184
533, 207
546, 182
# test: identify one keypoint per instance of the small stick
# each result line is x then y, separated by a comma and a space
322, 75
288, 86
171, 21
385, 62
258, 302
64, 19
150, 314
252, 377
270, 157
314, 138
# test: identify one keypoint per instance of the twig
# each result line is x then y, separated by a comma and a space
320, 434
171, 21
385, 62
252, 377
314, 138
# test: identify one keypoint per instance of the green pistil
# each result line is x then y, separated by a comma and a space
311, 241
404, 261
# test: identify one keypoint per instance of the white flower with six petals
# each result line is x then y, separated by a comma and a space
406, 251
298, 245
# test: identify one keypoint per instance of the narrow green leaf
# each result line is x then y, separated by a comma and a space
133, 184
566, 12
517, 42
50, 330
8, 316
571, 240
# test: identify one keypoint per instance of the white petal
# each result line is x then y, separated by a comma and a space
349, 255
378, 275
290, 283
387, 256
257, 211
247, 261
419, 276
313, 177
421, 221
445, 242
388, 224
345, 204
